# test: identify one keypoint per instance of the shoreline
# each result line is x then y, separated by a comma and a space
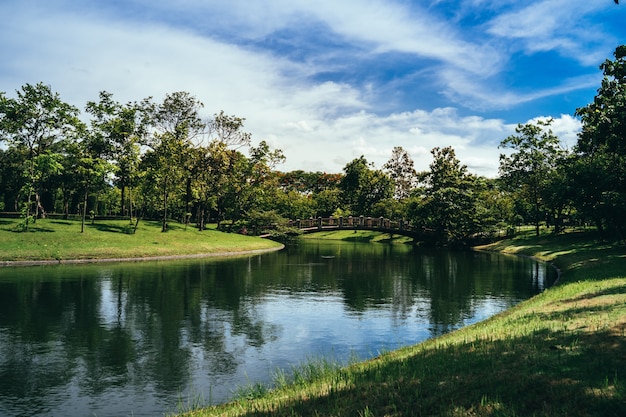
139, 259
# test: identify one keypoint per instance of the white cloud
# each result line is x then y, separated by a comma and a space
215, 51
557, 25
565, 127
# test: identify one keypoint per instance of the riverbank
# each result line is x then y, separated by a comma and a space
60, 241
561, 353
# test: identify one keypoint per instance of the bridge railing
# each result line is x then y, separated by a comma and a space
360, 222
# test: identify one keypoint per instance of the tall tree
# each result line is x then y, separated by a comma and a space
530, 169
228, 130
36, 122
90, 168
362, 187
600, 169
121, 129
446, 204
178, 124
401, 168
218, 167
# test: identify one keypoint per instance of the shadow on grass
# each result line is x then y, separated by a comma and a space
33, 229
553, 367
112, 228
543, 374
64, 222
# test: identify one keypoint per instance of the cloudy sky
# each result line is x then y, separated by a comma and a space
329, 80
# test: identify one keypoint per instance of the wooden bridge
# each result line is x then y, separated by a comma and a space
379, 224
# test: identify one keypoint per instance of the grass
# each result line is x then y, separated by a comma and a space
561, 353
60, 240
358, 236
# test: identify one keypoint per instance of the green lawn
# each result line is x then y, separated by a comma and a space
49, 239
561, 353
358, 236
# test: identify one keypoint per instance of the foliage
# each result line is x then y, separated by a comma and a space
362, 187
270, 223
167, 161
35, 123
447, 204
600, 169
532, 171
401, 169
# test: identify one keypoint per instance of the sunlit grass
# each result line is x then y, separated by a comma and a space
358, 236
49, 239
561, 353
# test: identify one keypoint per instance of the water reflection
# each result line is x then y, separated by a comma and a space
125, 339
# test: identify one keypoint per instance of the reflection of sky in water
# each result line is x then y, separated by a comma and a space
197, 330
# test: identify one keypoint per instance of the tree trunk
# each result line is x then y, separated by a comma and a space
123, 200
164, 224
82, 223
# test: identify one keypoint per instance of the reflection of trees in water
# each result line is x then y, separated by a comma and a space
140, 326
442, 286
147, 326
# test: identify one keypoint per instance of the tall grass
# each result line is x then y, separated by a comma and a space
561, 353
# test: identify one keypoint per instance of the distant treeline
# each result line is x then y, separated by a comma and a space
168, 161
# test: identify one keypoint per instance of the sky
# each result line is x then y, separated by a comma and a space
327, 81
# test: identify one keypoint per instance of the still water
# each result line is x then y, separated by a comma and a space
140, 338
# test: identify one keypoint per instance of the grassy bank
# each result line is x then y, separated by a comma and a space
561, 353
61, 240
369, 236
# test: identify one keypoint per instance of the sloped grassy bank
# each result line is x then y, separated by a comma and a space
50, 240
561, 353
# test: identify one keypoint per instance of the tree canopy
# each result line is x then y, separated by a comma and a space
168, 161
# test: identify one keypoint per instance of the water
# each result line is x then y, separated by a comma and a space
142, 338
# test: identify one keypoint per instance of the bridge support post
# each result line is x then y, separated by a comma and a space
319, 223
341, 222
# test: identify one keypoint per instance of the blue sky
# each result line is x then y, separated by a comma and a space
328, 81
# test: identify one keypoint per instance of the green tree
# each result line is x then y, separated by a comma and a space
362, 187
220, 169
90, 170
121, 129
327, 202
600, 167
229, 130
529, 171
36, 122
178, 124
401, 168
446, 204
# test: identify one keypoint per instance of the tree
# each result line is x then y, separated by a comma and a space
529, 170
228, 130
35, 123
90, 169
362, 187
446, 205
600, 168
178, 123
401, 169
254, 185
216, 181
121, 129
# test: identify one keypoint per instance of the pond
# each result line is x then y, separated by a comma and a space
142, 338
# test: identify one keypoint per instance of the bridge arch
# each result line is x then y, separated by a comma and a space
379, 224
